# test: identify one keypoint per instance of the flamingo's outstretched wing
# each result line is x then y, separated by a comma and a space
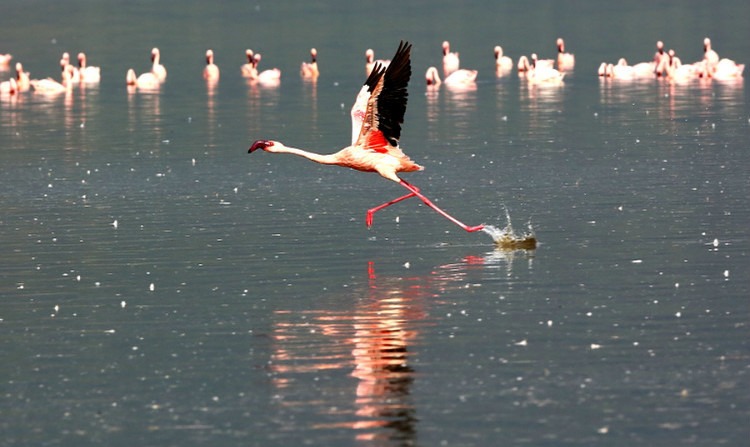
386, 95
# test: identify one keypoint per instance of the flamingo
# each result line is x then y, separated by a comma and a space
89, 74
9, 87
376, 148
271, 76
565, 61
502, 63
710, 57
75, 74
451, 61
211, 72
248, 70
22, 78
661, 59
459, 78
156, 67
5, 60
543, 74
370, 61
310, 70
523, 64
146, 81
51, 87
727, 69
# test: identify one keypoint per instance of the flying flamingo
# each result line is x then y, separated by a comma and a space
376, 148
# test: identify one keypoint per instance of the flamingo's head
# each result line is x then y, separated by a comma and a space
706, 44
498, 51
209, 56
446, 47
154, 54
260, 144
560, 45
81, 60
369, 55
660, 46
130, 77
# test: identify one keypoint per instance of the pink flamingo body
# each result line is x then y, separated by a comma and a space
75, 74
565, 61
248, 70
211, 71
376, 147
310, 69
544, 74
89, 74
727, 69
156, 67
502, 62
271, 76
9, 87
51, 87
451, 61
146, 81
22, 78
370, 61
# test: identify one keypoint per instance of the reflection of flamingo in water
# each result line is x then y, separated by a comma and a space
376, 148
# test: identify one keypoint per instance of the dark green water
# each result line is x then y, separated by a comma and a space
240, 299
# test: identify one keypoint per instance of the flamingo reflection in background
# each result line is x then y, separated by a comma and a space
376, 148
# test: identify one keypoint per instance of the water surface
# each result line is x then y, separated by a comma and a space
160, 286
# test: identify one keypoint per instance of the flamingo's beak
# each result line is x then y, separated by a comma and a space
260, 144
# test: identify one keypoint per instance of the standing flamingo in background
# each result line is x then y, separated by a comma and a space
450, 60
248, 70
565, 61
22, 78
5, 60
272, 76
502, 63
211, 72
156, 67
310, 69
376, 148
370, 61
89, 74
75, 75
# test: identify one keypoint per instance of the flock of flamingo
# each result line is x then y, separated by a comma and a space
380, 105
665, 64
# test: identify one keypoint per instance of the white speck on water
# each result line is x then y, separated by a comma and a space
407, 264
678, 314
523, 342
637, 261
109, 331
114, 224
716, 242
97, 284
57, 308
726, 273
549, 323
595, 346
193, 161
603, 430
151, 287
676, 285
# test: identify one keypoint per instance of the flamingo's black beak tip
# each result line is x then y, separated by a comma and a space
260, 144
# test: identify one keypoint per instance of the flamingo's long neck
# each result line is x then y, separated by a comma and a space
329, 159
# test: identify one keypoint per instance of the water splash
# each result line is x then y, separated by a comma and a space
507, 239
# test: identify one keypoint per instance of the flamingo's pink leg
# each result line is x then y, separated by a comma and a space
372, 211
415, 191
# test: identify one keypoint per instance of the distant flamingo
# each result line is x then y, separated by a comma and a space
156, 67
9, 87
565, 61
710, 57
211, 72
376, 148
543, 74
271, 76
502, 62
146, 81
75, 74
727, 69
22, 78
51, 87
248, 70
661, 59
523, 64
459, 78
310, 69
451, 60
89, 74
370, 61
5, 60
